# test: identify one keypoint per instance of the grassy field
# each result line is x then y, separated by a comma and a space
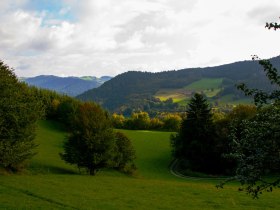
52, 184
204, 84
177, 95
210, 87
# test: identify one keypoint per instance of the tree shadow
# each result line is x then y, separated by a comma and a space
51, 169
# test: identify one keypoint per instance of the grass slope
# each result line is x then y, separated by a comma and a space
59, 186
209, 86
205, 83
177, 95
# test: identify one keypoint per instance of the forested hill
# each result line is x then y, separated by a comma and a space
143, 90
71, 86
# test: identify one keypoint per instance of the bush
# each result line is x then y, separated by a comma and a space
124, 154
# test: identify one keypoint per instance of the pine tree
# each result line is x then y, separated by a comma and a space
194, 145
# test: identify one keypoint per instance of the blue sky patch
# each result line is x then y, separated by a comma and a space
54, 10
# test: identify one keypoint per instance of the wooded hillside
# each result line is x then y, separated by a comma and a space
138, 90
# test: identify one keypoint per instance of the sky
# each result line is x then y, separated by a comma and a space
109, 37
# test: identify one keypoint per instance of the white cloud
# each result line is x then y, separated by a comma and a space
108, 37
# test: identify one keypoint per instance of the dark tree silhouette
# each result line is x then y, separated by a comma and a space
194, 144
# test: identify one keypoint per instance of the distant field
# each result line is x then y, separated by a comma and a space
178, 95
204, 84
210, 87
52, 184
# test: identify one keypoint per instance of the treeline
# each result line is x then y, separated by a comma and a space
142, 121
91, 144
151, 105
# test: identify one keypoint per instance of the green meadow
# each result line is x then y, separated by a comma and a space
49, 183
205, 83
177, 95
210, 87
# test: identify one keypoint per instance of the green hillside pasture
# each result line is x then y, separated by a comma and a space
59, 186
120, 192
209, 86
205, 83
180, 96
152, 152
47, 160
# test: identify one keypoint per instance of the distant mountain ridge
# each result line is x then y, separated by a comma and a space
144, 91
71, 86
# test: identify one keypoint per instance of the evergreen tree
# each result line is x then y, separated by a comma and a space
194, 145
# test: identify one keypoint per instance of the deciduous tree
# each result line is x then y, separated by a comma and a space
19, 111
256, 142
90, 144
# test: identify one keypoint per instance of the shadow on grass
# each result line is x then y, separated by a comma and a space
52, 125
50, 169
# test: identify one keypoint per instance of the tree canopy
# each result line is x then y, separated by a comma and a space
19, 111
91, 141
256, 148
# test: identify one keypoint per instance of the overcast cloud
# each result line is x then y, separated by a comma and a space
108, 37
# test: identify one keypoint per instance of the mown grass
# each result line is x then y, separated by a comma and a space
50, 138
52, 184
152, 152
